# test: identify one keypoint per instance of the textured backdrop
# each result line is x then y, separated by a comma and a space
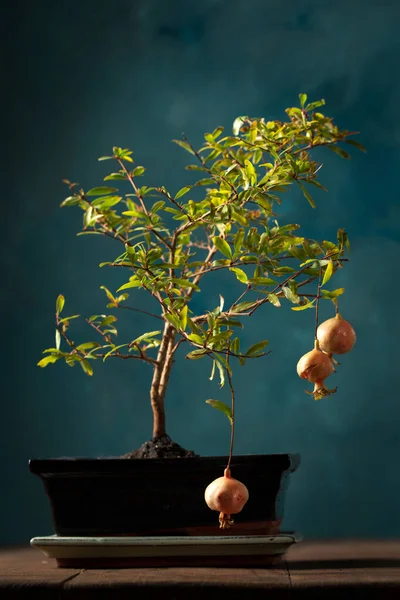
79, 77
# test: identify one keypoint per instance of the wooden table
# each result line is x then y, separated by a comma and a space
310, 570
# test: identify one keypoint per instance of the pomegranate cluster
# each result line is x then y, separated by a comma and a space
334, 336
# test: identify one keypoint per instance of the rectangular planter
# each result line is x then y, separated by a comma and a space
119, 496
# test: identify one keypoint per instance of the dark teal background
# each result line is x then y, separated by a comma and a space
80, 77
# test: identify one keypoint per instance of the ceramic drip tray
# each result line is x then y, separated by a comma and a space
106, 552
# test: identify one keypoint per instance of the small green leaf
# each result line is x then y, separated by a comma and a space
51, 358
185, 283
356, 144
242, 307
58, 339
273, 299
86, 367
133, 213
132, 283
60, 304
222, 246
221, 374
250, 172
261, 281
240, 274
303, 99
108, 293
183, 191
290, 295
313, 105
197, 339
114, 176
235, 346
173, 319
106, 158
65, 319
157, 206
307, 195
328, 273
212, 370
217, 132
145, 337
105, 202
221, 303
222, 407
87, 346
193, 327
101, 191
183, 317
256, 349
237, 124
113, 349
91, 233
107, 321
205, 181
304, 306
184, 145
70, 201
239, 217
138, 171
196, 354
332, 294
237, 246
342, 153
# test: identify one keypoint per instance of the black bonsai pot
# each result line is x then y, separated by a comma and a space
117, 496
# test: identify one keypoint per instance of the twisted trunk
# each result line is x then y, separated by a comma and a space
159, 383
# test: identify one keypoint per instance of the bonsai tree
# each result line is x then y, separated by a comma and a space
168, 241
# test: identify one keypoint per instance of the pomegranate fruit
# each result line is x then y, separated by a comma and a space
336, 335
315, 366
228, 496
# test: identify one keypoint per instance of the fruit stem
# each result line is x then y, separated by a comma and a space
229, 376
317, 307
339, 316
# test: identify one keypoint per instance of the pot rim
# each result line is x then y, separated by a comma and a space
113, 465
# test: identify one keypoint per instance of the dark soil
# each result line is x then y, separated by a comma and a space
162, 447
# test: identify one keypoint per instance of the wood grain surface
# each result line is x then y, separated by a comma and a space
311, 570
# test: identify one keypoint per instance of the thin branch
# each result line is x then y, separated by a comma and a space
328, 143
232, 415
171, 199
210, 351
84, 355
140, 310
108, 339
70, 343
209, 171
242, 295
142, 203
127, 356
133, 184
317, 304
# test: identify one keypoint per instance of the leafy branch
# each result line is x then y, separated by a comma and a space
225, 221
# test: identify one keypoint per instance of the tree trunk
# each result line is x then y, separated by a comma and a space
160, 380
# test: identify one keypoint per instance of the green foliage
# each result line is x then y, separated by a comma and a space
224, 221
60, 303
222, 407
